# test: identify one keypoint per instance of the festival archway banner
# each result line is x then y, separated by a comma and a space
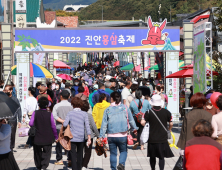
157, 37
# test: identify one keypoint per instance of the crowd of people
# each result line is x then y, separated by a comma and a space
103, 102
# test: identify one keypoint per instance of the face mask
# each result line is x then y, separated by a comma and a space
76, 83
57, 87
8, 93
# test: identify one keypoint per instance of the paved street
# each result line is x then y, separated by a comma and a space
136, 159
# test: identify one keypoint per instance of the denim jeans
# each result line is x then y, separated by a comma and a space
121, 143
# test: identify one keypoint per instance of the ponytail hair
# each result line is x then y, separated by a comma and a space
139, 95
116, 97
102, 96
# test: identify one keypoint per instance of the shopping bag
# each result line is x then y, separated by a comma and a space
145, 134
179, 164
23, 131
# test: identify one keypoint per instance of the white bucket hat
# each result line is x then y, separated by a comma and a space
156, 100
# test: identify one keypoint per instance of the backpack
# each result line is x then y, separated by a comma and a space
139, 115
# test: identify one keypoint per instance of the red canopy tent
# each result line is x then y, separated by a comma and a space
187, 66
187, 73
60, 64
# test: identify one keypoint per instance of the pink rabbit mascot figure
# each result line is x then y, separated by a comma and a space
155, 33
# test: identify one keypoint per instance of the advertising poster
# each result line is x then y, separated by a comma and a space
20, 20
138, 39
199, 68
20, 6
172, 84
22, 78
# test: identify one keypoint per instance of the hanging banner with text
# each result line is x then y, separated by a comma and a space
199, 67
20, 6
23, 71
172, 84
97, 40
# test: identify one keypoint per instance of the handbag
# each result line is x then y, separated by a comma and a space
145, 134
139, 115
168, 132
179, 164
32, 129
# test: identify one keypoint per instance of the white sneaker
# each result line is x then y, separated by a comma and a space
83, 168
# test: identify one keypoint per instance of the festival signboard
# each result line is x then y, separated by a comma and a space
157, 37
22, 78
199, 68
172, 84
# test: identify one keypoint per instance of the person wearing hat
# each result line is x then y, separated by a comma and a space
158, 146
209, 107
60, 111
95, 87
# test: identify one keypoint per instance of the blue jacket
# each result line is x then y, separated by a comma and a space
74, 90
134, 108
95, 97
115, 120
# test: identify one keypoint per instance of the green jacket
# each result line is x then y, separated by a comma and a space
90, 98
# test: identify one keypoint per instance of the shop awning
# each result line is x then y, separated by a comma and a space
60, 64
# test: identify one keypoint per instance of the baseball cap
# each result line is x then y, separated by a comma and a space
96, 86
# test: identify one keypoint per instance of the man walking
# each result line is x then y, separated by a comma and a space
60, 111
95, 97
126, 91
13, 121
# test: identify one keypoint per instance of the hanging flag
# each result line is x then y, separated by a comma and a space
137, 68
116, 64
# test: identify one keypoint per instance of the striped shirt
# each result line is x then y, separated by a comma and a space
78, 120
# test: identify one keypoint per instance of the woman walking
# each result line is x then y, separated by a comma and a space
94, 133
202, 152
78, 119
136, 106
197, 101
158, 146
116, 120
45, 134
7, 160
30, 106
98, 110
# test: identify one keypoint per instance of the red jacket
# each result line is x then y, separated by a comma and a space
202, 153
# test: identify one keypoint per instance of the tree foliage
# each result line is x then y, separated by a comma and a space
139, 9
65, 14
